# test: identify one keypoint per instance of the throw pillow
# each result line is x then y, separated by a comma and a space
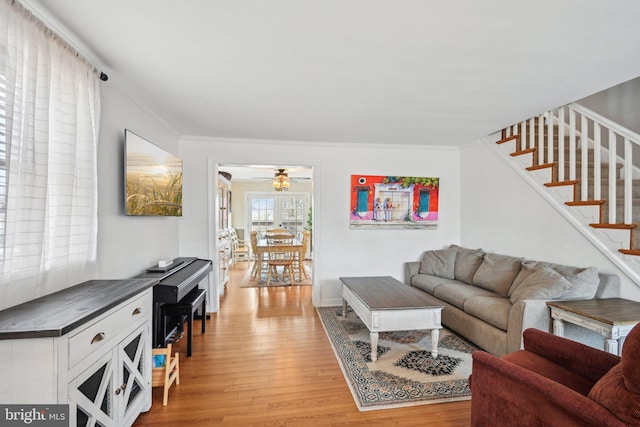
497, 272
584, 281
537, 280
467, 263
439, 263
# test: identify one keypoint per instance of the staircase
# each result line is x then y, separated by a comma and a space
585, 163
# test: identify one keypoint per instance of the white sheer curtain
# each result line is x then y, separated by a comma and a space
51, 108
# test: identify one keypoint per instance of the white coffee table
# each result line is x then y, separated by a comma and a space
386, 304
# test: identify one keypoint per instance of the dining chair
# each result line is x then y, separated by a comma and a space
259, 254
239, 248
280, 254
301, 254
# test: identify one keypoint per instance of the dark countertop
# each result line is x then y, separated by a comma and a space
61, 312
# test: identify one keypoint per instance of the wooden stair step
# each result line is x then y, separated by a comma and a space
523, 152
615, 226
585, 203
507, 139
542, 166
561, 183
635, 252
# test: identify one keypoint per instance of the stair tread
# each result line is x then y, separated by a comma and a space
541, 166
615, 226
635, 252
561, 183
585, 203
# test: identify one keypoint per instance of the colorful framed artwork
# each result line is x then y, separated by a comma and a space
388, 202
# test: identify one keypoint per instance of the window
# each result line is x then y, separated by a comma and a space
267, 211
49, 115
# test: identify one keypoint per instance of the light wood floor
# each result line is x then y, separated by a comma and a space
266, 361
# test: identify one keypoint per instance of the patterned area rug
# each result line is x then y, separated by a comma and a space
261, 280
405, 373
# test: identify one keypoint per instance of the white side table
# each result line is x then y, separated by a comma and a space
613, 318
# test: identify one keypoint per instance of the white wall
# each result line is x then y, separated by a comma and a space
338, 250
501, 213
128, 245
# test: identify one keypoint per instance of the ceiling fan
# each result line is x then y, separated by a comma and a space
281, 179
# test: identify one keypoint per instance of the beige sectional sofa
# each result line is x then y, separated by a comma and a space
490, 299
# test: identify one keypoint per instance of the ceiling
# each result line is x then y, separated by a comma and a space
357, 71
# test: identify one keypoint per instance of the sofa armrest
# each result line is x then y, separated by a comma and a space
410, 269
609, 286
588, 362
524, 314
503, 393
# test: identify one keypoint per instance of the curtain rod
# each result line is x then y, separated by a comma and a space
26, 11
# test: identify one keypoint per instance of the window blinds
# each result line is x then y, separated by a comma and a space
49, 119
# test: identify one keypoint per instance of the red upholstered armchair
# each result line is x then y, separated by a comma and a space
557, 382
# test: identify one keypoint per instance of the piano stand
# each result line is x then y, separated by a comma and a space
174, 284
186, 308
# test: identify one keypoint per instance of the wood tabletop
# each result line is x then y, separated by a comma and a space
387, 293
56, 314
612, 311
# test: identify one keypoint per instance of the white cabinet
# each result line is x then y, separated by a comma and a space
224, 259
115, 389
223, 241
99, 364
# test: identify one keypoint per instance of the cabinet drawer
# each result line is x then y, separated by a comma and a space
110, 325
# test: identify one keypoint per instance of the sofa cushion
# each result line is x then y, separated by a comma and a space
467, 263
429, 283
456, 293
494, 309
537, 280
584, 281
439, 263
497, 272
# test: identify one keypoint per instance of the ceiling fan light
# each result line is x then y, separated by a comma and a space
281, 181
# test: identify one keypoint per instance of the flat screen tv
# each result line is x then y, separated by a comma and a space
153, 179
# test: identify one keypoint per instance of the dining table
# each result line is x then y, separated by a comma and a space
262, 248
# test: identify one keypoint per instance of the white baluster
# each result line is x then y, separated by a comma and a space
584, 151
540, 139
550, 143
628, 176
532, 133
572, 144
597, 160
612, 177
561, 144
523, 135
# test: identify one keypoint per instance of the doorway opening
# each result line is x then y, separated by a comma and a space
248, 200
